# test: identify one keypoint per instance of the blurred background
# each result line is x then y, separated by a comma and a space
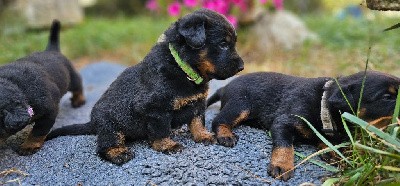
301, 37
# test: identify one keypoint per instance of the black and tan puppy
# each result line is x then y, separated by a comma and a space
271, 101
31, 89
166, 90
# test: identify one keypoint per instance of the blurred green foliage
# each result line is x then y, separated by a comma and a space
90, 38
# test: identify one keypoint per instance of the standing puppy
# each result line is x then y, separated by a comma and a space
271, 101
166, 90
31, 89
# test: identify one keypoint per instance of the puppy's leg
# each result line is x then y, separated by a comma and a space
199, 131
111, 145
77, 99
38, 134
230, 116
282, 158
159, 132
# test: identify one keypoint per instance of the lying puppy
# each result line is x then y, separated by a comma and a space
271, 100
166, 90
31, 89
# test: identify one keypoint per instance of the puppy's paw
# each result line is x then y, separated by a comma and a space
77, 100
228, 141
118, 155
282, 163
167, 145
280, 172
206, 138
31, 145
226, 137
25, 150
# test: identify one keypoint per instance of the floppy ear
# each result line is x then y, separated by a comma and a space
337, 99
192, 29
15, 120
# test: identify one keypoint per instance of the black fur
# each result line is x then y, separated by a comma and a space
37, 81
148, 99
271, 100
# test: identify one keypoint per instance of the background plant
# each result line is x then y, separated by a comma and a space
232, 9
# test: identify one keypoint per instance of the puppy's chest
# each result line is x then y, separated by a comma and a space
180, 102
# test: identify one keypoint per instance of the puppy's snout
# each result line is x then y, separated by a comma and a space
241, 67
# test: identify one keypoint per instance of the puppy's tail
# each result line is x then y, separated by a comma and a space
215, 97
72, 130
54, 38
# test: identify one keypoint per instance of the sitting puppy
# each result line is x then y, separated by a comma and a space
271, 101
31, 89
166, 90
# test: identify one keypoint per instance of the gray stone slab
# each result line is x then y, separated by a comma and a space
72, 160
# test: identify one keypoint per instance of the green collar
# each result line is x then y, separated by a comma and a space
192, 75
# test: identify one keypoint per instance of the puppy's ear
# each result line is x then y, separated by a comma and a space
337, 99
15, 120
193, 30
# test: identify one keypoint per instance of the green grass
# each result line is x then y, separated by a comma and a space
91, 38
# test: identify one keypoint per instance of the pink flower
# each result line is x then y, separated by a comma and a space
174, 9
190, 3
221, 6
263, 1
232, 19
278, 4
152, 5
209, 5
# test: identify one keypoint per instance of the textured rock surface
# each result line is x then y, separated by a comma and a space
40, 13
72, 160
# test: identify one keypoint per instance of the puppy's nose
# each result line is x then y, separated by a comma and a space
240, 68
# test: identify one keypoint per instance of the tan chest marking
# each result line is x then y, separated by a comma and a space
180, 102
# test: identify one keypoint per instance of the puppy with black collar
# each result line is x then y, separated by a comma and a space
166, 90
272, 101
31, 89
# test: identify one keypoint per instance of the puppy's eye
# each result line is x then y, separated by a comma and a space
223, 45
388, 96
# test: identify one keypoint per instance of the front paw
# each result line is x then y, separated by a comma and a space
228, 141
281, 172
118, 155
31, 145
282, 163
28, 149
225, 136
167, 145
206, 138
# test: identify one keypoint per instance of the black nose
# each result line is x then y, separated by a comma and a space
241, 67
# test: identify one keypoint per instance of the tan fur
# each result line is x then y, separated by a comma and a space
224, 131
116, 151
283, 157
33, 142
205, 67
178, 103
304, 131
164, 144
77, 98
242, 116
199, 132
381, 122
393, 90
120, 139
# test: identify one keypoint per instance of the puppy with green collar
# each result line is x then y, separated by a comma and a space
166, 90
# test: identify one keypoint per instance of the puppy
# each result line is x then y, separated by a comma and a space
166, 90
31, 89
271, 101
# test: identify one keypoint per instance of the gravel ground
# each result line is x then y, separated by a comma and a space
71, 160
